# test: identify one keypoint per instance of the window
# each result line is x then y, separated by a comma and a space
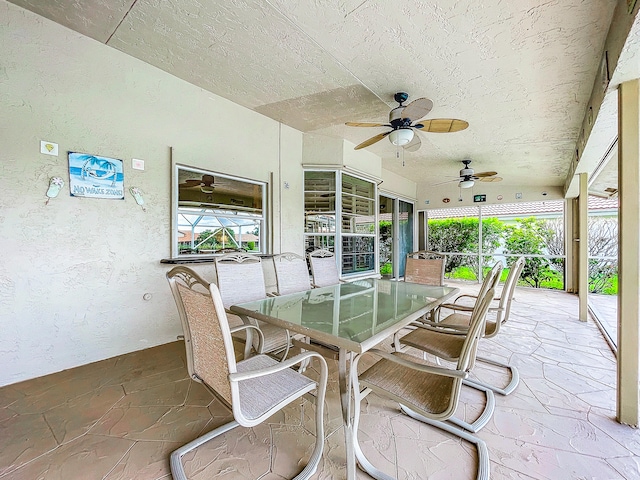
213, 211
340, 212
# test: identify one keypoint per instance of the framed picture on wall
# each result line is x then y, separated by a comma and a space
95, 176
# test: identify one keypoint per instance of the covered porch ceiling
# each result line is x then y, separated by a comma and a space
521, 73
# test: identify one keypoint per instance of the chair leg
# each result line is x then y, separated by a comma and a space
485, 416
364, 463
511, 386
177, 469
481, 446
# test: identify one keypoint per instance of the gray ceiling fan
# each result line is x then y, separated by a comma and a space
403, 121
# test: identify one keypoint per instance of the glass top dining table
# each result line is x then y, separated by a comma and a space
350, 317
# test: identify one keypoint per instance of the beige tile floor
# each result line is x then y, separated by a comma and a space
120, 418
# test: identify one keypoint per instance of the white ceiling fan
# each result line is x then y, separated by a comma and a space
468, 177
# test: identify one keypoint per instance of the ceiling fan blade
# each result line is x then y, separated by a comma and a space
443, 125
490, 179
372, 140
486, 174
414, 144
448, 181
366, 124
417, 109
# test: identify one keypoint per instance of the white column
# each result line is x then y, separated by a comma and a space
583, 247
629, 252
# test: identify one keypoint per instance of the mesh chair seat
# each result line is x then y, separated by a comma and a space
422, 390
441, 344
261, 394
461, 320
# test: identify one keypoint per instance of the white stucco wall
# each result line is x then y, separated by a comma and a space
74, 272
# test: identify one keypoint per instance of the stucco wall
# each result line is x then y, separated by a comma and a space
74, 272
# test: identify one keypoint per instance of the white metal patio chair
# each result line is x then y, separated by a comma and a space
447, 343
426, 392
241, 279
324, 270
292, 275
461, 319
254, 388
425, 267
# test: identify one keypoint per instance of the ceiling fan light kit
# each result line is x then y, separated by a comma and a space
401, 137
466, 184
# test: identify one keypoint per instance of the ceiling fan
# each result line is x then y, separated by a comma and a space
468, 177
402, 120
206, 184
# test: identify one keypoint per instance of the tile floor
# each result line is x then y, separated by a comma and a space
121, 418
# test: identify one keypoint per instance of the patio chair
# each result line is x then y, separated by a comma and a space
493, 324
425, 267
241, 279
426, 392
254, 388
447, 342
324, 271
292, 275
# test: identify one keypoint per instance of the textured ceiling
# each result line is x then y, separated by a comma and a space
520, 72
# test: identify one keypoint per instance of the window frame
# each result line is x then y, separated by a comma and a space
338, 235
176, 211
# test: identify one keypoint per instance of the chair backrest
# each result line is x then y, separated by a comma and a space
292, 274
490, 281
208, 343
477, 323
324, 269
425, 267
240, 278
504, 305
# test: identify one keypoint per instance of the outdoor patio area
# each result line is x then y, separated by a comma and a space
120, 418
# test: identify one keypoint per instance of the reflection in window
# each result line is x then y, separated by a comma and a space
340, 212
216, 212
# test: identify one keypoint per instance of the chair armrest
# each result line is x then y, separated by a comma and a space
240, 376
454, 306
447, 372
465, 295
247, 326
440, 328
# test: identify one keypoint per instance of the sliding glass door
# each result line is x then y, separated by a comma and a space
396, 235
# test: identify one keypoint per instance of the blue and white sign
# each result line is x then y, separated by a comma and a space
95, 176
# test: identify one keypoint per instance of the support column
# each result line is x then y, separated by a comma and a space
628, 252
583, 247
